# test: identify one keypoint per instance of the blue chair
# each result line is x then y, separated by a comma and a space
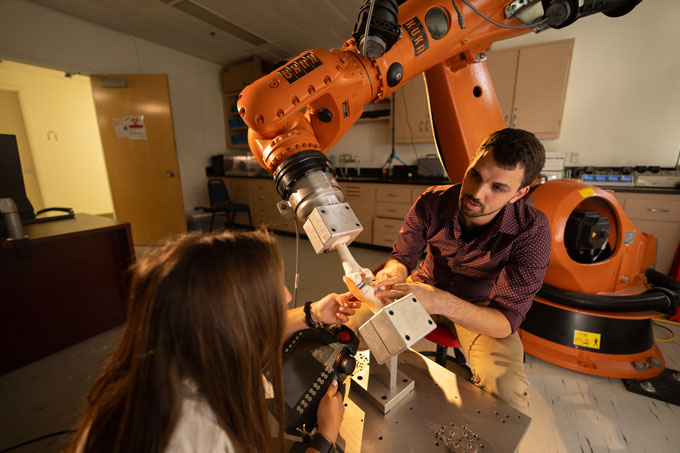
221, 203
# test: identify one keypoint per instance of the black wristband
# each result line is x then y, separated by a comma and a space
308, 317
321, 443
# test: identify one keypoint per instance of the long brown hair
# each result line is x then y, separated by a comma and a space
209, 308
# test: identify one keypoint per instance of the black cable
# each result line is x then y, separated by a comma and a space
37, 439
514, 27
461, 21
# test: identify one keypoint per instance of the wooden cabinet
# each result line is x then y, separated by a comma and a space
531, 85
393, 202
234, 126
71, 286
263, 200
412, 113
381, 208
234, 79
657, 214
361, 197
237, 76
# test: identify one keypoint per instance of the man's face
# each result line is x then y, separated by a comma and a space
487, 188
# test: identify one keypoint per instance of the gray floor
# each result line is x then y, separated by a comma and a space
571, 412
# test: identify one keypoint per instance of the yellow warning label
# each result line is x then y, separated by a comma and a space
587, 192
587, 339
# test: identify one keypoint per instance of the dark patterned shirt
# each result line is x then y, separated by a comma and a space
505, 263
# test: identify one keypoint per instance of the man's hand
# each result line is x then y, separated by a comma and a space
334, 308
394, 272
429, 296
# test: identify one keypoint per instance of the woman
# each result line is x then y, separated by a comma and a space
206, 318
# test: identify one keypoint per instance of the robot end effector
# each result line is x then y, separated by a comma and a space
310, 192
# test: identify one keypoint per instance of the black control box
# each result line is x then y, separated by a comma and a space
312, 359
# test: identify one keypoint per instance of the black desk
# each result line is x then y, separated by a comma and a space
70, 288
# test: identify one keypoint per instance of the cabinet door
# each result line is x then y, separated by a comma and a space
502, 65
531, 85
541, 87
668, 234
239, 191
364, 211
412, 113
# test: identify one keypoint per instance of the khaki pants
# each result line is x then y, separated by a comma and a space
497, 364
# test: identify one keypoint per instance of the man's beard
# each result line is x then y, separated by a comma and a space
467, 212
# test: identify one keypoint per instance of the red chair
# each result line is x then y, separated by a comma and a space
444, 339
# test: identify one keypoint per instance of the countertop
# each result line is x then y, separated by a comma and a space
401, 176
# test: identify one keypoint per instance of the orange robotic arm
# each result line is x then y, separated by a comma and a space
297, 112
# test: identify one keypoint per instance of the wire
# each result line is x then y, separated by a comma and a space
37, 439
461, 21
408, 122
514, 27
668, 321
665, 340
368, 23
297, 263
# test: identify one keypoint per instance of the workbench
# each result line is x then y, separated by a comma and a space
444, 413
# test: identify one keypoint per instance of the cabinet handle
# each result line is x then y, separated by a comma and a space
657, 210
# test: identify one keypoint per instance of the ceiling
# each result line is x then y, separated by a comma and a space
224, 31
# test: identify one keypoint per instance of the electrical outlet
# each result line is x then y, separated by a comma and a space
573, 156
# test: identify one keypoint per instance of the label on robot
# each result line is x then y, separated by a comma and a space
587, 339
587, 192
415, 30
629, 237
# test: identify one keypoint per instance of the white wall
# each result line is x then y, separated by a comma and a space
623, 96
622, 105
61, 126
35, 35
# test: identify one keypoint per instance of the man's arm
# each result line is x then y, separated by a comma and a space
484, 320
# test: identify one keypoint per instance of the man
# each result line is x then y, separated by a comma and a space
487, 254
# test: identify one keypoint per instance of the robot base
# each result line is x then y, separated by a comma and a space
608, 344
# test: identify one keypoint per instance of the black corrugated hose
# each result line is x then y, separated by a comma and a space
663, 298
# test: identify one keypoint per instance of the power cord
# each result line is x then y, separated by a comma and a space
297, 263
38, 439
665, 340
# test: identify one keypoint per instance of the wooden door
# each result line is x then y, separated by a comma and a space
141, 160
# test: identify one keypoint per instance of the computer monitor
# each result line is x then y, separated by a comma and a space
12, 178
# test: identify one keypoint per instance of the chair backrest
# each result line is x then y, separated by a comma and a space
217, 191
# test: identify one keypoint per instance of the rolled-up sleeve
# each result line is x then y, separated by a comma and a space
522, 276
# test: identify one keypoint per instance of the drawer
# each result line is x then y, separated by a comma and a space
385, 239
392, 210
239, 191
393, 193
262, 191
667, 210
387, 225
416, 191
358, 191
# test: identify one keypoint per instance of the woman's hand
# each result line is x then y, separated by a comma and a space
334, 308
330, 412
